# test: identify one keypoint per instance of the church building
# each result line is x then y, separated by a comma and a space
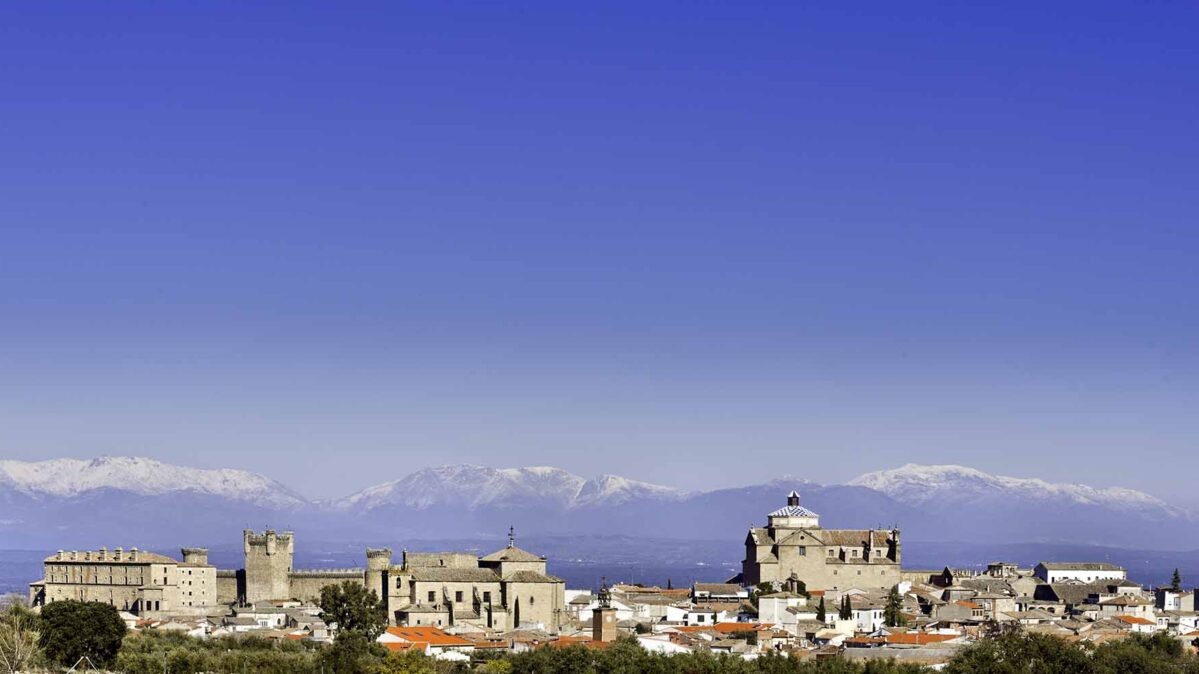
793, 545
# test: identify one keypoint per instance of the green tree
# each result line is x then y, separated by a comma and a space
846, 608
20, 649
354, 609
1176, 581
1011, 651
500, 666
409, 662
893, 611
759, 590
821, 613
353, 652
75, 629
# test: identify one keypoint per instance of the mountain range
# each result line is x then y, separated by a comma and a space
138, 501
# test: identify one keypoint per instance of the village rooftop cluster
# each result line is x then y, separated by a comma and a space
803, 590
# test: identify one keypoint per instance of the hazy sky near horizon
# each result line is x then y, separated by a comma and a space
692, 243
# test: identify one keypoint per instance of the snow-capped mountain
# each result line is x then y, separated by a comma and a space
919, 484
473, 486
71, 478
481, 486
615, 490
134, 501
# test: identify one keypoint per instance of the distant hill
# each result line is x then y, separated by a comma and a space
136, 501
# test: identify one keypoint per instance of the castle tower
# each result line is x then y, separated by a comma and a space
193, 556
268, 564
377, 563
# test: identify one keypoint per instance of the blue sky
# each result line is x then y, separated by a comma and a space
695, 243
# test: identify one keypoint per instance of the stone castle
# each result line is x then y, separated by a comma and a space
793, 546
504, 590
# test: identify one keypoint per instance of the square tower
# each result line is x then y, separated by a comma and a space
268, 565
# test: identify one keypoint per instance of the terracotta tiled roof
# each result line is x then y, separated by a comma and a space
428, 635
512, 554
531, 577
398, 646
729, 628
567, 641
1134, 620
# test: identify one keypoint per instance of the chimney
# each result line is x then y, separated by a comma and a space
116, 554
133, 554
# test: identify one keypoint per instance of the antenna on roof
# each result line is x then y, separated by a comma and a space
511, 536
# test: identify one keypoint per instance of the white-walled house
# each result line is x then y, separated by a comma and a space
867, 618
661, 643
1173, 600
785, 610
1083, 572
623, 611
701, 616
772, 608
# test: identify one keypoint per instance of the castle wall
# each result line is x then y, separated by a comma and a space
306, 585
228, 586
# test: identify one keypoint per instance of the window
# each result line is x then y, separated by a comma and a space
432, 597
399, 583
832, 552
487, 597
532, 600
803, 551
853, 553
458, 595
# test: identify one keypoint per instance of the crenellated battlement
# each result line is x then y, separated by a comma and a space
339, 573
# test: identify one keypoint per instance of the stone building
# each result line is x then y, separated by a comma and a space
147, 584
507, 588
793, 545
504, 590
